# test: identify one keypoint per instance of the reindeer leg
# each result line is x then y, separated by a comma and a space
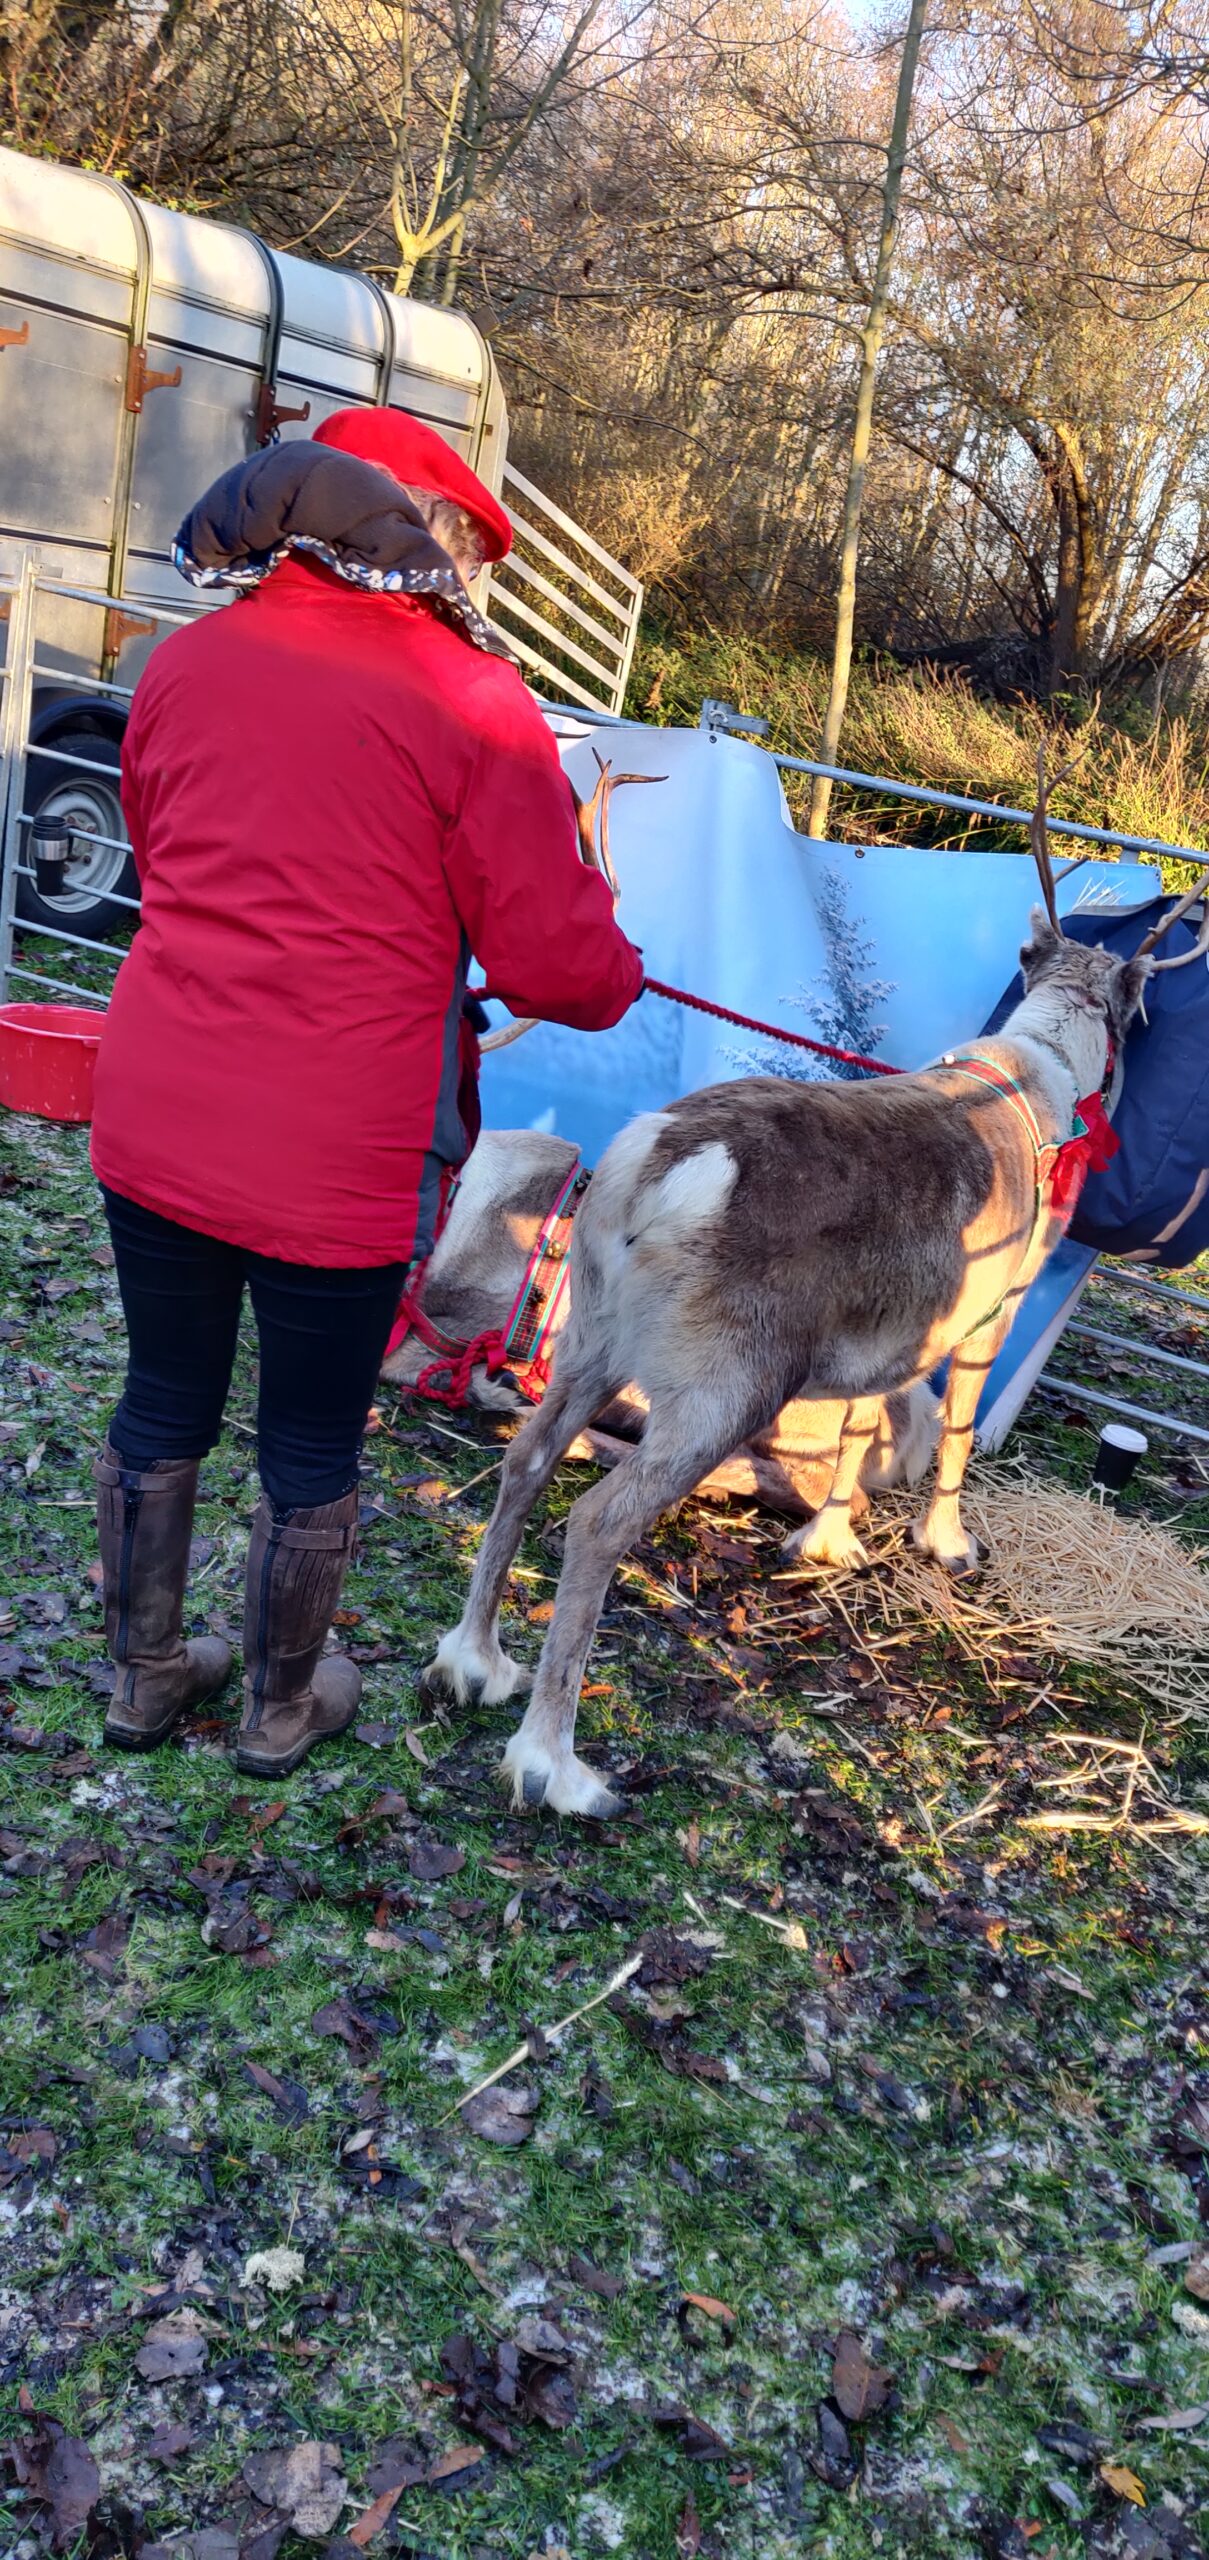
470, 1661
940, 1532
684, 1438
830, 1537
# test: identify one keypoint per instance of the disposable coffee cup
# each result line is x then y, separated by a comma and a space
1117, 1456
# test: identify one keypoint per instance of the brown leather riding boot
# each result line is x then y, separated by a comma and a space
144, 1523
292, 1698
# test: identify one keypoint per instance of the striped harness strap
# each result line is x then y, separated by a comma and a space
522, 1344
1059, 1171
985, 1071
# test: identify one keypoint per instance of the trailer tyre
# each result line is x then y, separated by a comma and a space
90, 804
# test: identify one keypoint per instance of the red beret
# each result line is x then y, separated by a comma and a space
417, 455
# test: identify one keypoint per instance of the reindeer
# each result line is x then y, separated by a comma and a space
480, 1262
761, 1241
472, 1283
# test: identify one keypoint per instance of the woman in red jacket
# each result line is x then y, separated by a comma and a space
336, 790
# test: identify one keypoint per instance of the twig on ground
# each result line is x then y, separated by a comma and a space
551, 2034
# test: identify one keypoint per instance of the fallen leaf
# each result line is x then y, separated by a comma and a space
288, 2096
710, 2305
688, 2531
548, 2394
860, 2387
264, 1818
451, 2465
36, 2142
416, 1747
1123, 2483
670, 1958
103, 1947
302, 2481
167, 2442
428, 1861
171, 2347
951, 2432
594, 2279
388, 1806
57, 2471
397, 2465
1196, 2276
501, 2115
358, 2023
699, 2442
1076, 2444
833, 2458
368, 2524
379, 1737
537, 2337
1177, 2421
234, 1929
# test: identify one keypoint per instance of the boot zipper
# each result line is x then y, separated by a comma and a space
130, 1517
262, 1622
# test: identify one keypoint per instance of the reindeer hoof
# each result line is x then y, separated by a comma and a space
475, 1678
830, 1544
557, 1780
963, 1561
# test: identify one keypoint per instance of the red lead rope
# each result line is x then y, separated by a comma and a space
791, 1039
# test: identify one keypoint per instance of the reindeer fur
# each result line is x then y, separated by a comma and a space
765, 1241
471, 1285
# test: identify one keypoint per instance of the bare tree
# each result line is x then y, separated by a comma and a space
862, 423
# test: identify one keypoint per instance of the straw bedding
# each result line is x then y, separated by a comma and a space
1077, 1579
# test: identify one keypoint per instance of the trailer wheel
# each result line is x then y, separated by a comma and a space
90, 804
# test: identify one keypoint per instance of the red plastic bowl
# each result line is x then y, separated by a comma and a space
47, 1056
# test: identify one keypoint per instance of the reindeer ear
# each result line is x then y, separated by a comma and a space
1043, 942
1127, 991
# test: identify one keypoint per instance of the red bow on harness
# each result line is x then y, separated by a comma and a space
1092, 1146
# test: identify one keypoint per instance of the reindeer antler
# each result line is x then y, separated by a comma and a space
598, 858
1039, 828
1151, 940
1039, 839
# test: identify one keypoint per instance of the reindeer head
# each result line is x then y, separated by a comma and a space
1087, 975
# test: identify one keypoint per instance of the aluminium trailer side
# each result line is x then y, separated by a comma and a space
142, 352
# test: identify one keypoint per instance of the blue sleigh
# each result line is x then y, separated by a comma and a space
899, 953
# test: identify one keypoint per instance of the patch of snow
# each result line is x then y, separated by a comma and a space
599, 2516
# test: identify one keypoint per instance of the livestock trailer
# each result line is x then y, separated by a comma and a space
142, 351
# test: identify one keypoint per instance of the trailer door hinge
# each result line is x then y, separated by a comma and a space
141, 378
120, 626
269, 418
15, 337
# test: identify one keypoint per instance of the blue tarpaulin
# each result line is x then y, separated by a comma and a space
894, 951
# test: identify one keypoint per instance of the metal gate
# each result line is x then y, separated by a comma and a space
38, 958
38, 961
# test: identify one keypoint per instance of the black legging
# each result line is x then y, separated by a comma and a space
322, 1338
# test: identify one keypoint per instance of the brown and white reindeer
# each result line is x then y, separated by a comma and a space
477, 1274
485, 1256
762, 1240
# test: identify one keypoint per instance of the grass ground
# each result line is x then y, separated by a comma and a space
890, 2067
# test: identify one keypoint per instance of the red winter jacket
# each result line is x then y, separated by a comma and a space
333, 799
